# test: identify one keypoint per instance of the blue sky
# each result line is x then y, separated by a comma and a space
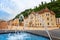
3, 15
10, 8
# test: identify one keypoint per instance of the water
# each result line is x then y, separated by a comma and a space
40, 20
21, 36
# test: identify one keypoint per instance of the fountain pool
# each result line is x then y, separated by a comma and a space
21, 36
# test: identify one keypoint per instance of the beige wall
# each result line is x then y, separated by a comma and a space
49, 18
3, 25
36, 20
14, 22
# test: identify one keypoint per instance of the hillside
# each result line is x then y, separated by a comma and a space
53, 5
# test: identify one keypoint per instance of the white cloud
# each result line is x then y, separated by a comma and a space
9, 11
19, 5
29, 3
26, 4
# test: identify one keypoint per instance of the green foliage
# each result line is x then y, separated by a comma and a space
25, 13
53, 5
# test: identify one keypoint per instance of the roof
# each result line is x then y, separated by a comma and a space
42, 11
45, 10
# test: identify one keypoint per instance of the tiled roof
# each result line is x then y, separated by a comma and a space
41, 11
45, 10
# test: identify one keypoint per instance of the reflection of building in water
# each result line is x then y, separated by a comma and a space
35, 19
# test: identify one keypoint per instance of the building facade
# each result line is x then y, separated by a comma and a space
42, 18
3, 25
58, 22
14, 22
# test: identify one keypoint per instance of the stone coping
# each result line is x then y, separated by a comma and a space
54, 34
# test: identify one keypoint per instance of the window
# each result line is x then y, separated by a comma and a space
48, 23
40, 23
47, 18
47, 14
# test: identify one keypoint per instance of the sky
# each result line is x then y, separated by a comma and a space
10, 8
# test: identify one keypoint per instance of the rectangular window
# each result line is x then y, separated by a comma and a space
48, 23
47, 18
40, 23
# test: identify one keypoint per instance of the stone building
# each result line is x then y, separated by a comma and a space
45, 17
3, 25
14, 22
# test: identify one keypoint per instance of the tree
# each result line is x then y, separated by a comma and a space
53, 5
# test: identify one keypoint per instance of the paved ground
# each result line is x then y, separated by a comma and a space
55, 34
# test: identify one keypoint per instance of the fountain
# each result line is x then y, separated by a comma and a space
21, 17
24, 25
43, 23
21, 35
